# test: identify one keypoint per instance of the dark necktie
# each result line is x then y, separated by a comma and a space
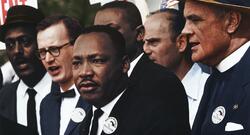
31, 110
97, 114
68, 94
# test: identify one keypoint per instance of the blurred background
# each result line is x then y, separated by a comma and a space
83, 10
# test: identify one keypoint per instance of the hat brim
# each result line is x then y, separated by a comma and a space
4, 27
230, 6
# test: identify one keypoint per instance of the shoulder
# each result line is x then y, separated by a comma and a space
9, 89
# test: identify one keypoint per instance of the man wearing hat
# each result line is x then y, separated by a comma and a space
20, 101
219, 36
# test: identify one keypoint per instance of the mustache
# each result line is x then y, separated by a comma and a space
86, 81
19, 60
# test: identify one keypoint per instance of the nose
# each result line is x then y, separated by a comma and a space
146, 48
86, 70
48, 57
187, 29
18, 48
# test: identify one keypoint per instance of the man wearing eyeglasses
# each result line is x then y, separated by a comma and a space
63, 108
20, 101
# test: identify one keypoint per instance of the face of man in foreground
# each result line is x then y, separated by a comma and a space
207, 33
96, 67
21, 50
58, 60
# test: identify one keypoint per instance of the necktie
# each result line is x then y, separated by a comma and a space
68, 94
31, 110
97, 114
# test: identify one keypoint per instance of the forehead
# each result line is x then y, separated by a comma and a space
110, 16
55, 35
157, 22
93, 43
197, 8
13, 32
156, 25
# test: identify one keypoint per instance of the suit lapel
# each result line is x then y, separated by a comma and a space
50, 113
84, 126
118, 111
241, 78
72, 125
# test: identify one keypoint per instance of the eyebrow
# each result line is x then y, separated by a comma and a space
193, 17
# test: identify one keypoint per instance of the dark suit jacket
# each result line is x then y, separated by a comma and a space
8, 127
50, 114
236, 92
154, 103
8, 101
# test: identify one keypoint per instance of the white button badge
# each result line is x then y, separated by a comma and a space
78, 115
218, 114
110, 125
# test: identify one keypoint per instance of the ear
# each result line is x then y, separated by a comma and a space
140, 32
181, 42
125, 64
233, 21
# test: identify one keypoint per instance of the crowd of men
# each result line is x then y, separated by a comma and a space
122, 77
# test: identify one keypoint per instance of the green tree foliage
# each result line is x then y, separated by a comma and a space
79, 9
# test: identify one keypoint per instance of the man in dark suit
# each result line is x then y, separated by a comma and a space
63, 109
218, 32
20, 101
125, 107
144, 74
8, 127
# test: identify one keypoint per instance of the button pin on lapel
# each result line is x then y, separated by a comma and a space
235, 107
78, 115
218, 114
110, 125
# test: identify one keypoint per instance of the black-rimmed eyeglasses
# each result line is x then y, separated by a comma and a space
53, 50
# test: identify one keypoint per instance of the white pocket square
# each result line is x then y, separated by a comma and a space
230, 126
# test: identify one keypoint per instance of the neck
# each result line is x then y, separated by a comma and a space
34, 78
66, 85
182, 68
118, 88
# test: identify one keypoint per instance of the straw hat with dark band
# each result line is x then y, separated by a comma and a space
240, 5
20, 14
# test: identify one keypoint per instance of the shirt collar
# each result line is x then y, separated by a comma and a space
72, 87
233, 58
133, 63
39, 87
190, 81
108, 107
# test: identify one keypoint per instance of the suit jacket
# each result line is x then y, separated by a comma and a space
8, 127
235, 99
8, 101
50, 114
154, 103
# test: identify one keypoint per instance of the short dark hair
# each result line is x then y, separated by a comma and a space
115, 36
72, 25
176, 21
132, 15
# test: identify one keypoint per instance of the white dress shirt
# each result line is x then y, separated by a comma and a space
68, 105
106, 112
133, 63
42, 88
194, 82
233, 58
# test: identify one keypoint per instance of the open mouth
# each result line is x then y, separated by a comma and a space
21, 64
53, 70
194, 45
